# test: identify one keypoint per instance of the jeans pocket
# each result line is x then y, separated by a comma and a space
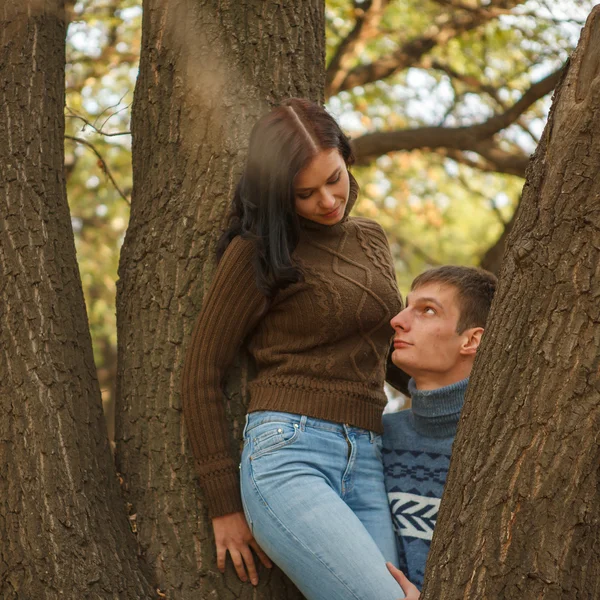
272, 436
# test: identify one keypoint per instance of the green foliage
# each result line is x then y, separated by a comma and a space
434, 209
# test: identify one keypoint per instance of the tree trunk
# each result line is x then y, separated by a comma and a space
207, 72
63, 528
520, 518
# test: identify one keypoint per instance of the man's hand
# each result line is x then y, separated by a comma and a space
233, 535
410, 591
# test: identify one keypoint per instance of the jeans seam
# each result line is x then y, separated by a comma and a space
347, 485
280, 523
247, 515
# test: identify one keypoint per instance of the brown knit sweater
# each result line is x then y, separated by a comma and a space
320, 347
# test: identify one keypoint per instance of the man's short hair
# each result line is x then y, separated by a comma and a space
475, 290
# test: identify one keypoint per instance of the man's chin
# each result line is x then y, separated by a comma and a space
400, 363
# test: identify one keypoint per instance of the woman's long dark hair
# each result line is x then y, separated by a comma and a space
263, 209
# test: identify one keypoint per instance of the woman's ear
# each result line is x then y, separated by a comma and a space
471, 340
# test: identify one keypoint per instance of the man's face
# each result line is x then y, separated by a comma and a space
426, 345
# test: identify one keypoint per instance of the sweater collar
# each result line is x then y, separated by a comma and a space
435, 413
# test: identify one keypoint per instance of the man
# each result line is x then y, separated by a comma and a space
436, 338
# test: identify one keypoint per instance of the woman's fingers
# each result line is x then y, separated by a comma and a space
238, 563
264, 559
250, 566
221, 555
233, 535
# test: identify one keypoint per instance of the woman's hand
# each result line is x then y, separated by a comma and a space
410, 591
233, 535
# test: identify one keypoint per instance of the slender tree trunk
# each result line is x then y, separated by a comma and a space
208, 70
520, 517
63, 528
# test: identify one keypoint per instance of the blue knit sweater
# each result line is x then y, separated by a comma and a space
417, 443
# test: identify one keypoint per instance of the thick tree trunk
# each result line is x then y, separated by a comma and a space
208, 70
63, 528
520, 517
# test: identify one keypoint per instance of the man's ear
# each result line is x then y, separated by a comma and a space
471, 340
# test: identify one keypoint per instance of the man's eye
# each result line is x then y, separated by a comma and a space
429, 311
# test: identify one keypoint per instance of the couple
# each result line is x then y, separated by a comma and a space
311, 292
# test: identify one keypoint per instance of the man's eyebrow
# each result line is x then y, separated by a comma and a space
308, 188
424, 300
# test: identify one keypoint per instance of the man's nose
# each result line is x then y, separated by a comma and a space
400, 321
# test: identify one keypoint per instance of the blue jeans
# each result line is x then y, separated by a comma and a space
314, 497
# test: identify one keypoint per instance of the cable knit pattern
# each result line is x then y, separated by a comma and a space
376, 247
320, 347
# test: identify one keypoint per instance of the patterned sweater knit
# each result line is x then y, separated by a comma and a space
417, 443
320, 345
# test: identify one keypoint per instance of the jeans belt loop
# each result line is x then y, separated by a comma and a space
303, 420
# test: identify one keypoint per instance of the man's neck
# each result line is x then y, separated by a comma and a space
435, 413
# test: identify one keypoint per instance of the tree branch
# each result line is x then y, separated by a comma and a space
474, 84
100, 130
427, 63
446, 27
477, 138
102, 162
504, 162
365, 28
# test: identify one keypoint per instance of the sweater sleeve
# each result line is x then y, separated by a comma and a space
231, 308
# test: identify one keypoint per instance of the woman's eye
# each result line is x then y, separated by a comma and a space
337, 178
428, 310
304, 196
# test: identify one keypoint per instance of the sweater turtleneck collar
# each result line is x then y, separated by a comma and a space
336, 229
435, 413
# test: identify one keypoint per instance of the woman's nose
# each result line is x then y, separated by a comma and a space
327, 199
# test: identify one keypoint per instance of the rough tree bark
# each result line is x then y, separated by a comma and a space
208, 70
63, 527
520, 516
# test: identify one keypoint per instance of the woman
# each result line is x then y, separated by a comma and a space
311, 292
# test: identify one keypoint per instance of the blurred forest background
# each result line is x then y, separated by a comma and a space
445, 100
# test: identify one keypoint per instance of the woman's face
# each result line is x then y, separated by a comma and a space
321, 189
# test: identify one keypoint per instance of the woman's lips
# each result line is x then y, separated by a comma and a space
333, 213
